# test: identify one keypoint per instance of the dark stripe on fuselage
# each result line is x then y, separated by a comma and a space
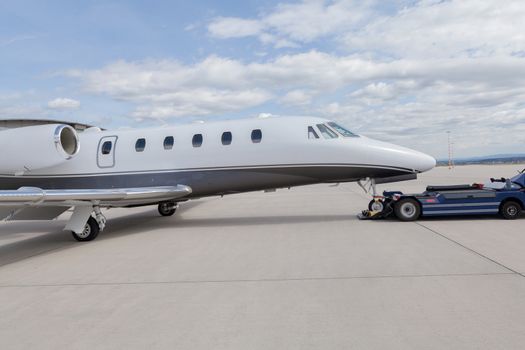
207, 182
345, 165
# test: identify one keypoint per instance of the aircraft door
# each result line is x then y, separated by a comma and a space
106, 152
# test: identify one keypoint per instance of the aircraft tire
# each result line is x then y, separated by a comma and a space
90, 232
167, 208
376, 205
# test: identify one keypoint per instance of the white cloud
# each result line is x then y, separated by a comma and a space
63, 104
418, 68
168, 88
433, 29
297, 98
198, 102
21, 105
308, 20
231, 27
482, 121
22, 112
291, 23
401, 70
409, 74
426, 28
379, 91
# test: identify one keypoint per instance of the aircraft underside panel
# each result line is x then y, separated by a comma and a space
210, 181
6, 212
37, 213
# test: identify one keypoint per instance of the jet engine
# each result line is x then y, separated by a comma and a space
30, 148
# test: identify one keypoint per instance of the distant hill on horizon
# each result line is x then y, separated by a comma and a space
516, 158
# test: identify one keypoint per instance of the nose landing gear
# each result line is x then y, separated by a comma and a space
378, 207
382, 206
376, 204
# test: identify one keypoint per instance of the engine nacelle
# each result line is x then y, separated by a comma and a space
30, 148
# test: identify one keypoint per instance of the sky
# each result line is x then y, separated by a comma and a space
400, 71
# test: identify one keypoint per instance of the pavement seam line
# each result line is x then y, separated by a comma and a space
469, 249
270, 280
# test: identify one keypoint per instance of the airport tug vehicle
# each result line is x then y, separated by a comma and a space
504, 196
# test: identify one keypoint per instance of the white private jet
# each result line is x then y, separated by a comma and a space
48, 167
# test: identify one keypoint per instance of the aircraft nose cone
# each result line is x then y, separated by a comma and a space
423, 162
399, 156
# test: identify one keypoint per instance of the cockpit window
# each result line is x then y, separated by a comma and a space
312, 134
326, 132
341, 130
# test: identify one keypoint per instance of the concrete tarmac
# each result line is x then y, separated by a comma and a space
294, 269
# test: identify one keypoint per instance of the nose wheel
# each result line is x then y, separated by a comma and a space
376, 205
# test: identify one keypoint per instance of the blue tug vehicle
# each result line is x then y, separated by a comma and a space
504, 196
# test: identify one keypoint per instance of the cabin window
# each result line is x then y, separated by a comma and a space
256, 135
106, 147
312, 134
140, 145
326, 132
168, 142
226, 138
197, 140
341, 130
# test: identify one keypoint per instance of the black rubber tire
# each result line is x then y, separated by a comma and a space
91, 231
407, 209
167, 208
510, 210
371, 204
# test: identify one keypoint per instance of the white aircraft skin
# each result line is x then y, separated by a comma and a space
290, 151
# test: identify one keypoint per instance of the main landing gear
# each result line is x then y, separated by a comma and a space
90, 232
167, 208
95, 224
88, 221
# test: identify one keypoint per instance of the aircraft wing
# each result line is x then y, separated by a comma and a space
31, 203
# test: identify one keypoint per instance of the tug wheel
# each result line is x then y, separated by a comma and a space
407, 209
376, 205
510, 210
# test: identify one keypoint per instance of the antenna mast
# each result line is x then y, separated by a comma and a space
450, 159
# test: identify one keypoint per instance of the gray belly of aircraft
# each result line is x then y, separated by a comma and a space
208, 182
